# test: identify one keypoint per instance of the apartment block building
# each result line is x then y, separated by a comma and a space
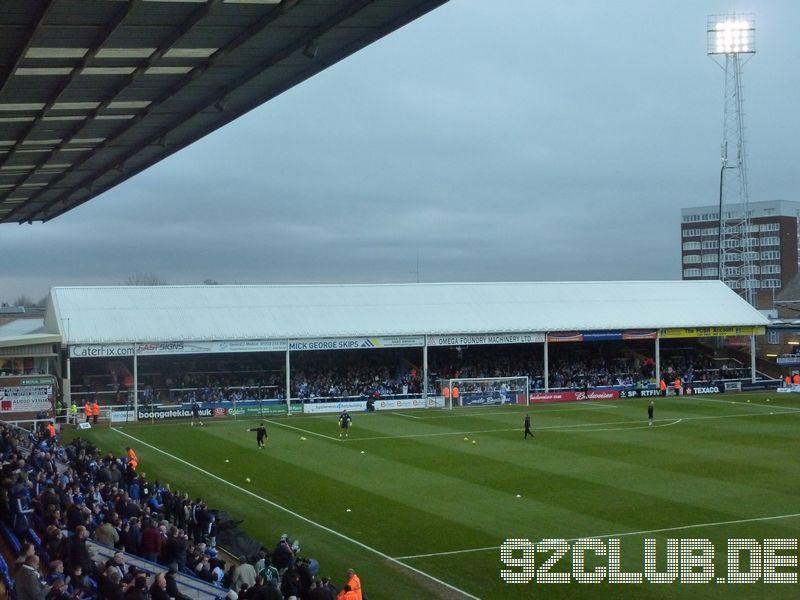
771, 245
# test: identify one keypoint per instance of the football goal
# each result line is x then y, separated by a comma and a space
485, 391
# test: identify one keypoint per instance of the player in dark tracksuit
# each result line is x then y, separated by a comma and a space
344, 422
196, 414
261, 435
528, 427
650, 409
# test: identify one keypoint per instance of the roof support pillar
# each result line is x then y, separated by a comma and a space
658, 361
135, 386
546, 361
425, 370
288, 382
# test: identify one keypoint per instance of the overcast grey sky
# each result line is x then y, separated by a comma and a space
496, 141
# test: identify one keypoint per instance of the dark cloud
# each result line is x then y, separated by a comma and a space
485, 141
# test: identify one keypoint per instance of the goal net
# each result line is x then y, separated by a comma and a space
485, 391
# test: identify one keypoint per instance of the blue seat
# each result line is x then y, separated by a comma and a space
11, 538
34, 536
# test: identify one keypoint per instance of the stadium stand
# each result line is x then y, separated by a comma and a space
103, 497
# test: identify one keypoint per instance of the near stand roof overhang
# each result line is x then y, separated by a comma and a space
94, 91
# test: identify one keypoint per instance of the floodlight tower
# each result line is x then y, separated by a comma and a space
731, 43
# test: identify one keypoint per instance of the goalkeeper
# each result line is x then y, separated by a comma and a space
344, 423
261, 435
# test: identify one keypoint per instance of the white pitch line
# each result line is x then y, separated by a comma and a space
573, 427
301, 517
300, 429
613, 535
623, 428
399, 414
481, 412
747, 403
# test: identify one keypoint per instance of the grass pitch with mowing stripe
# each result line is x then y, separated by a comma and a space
412, 492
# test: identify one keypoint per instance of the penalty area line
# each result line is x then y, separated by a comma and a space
399, 414
301, 430
301, 517
578, 427
613, 535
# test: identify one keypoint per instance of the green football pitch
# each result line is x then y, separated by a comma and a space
420, 502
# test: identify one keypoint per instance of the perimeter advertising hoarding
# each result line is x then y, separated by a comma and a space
470, 339
223, 409
699, 332
579, 396
333, 407
26, 394
361, 405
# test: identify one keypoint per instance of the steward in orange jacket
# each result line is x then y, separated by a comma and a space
354, 583
347, 594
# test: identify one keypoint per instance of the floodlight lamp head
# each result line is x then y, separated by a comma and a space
731, 34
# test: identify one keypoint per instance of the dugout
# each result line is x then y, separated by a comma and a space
142, 330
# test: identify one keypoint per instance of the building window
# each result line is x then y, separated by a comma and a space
710, 272
771, 284
691, 272
770, 227
691, 259
773, 336
772, 240
691, 245
771, 269
770, 255
710, 258
710, 245
751, 270
730, 243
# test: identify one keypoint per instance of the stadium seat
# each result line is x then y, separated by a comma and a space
11, 538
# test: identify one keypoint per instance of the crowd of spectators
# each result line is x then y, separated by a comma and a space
317, 376
590, 366
54, 499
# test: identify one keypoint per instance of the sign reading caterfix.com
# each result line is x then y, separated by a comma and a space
580, 396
